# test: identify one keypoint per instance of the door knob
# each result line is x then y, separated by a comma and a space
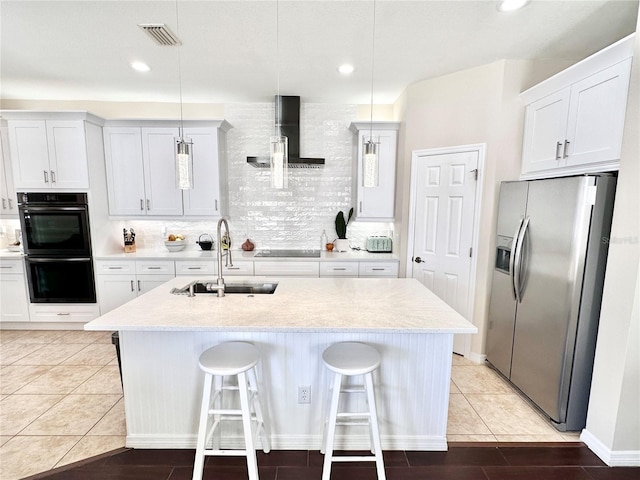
418, 260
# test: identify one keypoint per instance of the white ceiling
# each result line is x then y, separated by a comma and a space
81, 50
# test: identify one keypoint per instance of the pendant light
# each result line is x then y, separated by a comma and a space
183, 150
279, 144
370, 154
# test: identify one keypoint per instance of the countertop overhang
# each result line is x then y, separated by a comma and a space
389, 305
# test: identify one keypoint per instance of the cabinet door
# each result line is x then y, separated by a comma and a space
115, 290
158, 152
377, 203
149, 282
9, 205
29, 153
544, 132
67, 148
596, 116
125, 174
14, 306
204, 197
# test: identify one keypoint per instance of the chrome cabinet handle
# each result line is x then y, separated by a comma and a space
361, 206
4, 204
154, 268
10, 206
141, 204
194, 268
46, 176
336, 269
132, 289
63, 314
148, 204
139, 286
380, 269
216, 202
565, 152
558, 145
53, 176
114, 268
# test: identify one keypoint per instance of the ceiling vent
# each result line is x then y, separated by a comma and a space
161, 34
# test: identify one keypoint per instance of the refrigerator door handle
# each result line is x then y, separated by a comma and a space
518, 260
512, 257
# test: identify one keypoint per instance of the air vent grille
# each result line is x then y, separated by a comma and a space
161, 34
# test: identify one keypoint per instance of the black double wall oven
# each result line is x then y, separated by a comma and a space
57, 247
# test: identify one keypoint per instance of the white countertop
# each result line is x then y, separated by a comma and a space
387, 305
241, 255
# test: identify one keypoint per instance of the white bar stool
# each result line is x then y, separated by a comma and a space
231, 359
349, 359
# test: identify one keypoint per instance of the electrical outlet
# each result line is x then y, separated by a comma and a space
304, 393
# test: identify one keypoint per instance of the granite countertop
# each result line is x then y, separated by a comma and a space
387, 305
241, 255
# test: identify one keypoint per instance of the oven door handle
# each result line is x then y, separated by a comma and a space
32, 208
53, 259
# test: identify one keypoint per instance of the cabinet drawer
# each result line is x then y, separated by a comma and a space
184, 267
288, 269
115, 267
11, 266
378, 269
152, 266
64, 312
239, 268
339, 269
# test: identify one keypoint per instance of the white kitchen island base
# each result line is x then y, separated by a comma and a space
162, 335
163, 386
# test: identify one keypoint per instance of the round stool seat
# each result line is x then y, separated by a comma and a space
229, 358
351, 358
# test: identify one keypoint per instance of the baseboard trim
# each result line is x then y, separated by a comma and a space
613, 458
476, 357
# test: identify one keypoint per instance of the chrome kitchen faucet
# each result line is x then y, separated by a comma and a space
228, 260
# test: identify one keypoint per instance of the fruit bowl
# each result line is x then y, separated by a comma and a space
175, 245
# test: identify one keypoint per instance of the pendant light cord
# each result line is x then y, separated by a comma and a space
373, 42
179, 72
278, 129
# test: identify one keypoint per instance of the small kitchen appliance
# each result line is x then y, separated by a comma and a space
205, 241
379, 244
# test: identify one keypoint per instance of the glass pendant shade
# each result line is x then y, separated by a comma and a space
184, 165
279, 161
370, 164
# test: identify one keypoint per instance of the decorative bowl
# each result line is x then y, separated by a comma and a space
175, 246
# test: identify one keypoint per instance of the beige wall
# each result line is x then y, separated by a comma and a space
614, 414
479, 105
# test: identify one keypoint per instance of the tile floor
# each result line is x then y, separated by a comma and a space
60, 393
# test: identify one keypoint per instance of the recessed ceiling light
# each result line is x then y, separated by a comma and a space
140, 66
511, 5
345, 69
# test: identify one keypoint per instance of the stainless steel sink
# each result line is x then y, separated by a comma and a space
246, 288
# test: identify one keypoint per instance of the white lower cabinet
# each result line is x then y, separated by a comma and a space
238, 268
339, 269
14, 306
378, 269
122, 281
187, 267
287, 269
63, 312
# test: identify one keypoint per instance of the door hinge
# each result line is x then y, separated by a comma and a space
475, 173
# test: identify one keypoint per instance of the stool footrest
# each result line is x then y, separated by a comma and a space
225, 453
353, 424
353, 414
358, 458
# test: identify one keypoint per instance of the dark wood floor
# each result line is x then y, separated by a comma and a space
462, 462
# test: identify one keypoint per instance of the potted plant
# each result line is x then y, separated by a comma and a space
341, 244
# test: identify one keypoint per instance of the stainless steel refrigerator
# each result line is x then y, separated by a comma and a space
551, 250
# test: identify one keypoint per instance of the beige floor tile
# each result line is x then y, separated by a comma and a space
509, 415
24, 456
41, 336
478, 379
460, 360
453, 388
14, 377
73, 415
60, 379
94, 354
104, 337
463, 420
4, 439
471, 438
12, 352
18, 411
7, 336
553, 437
79, 336
570, 436
105, 381
90, 447
113, 423
52, 354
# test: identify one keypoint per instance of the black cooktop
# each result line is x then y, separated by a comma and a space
288, 253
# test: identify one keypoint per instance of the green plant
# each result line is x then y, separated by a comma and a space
341, 224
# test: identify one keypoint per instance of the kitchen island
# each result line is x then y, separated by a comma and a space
162, 336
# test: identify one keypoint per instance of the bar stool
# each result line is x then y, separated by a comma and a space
350, 359
237, 359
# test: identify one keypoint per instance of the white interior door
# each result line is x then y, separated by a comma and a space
444, 201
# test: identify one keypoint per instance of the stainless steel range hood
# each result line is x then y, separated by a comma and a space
288, 118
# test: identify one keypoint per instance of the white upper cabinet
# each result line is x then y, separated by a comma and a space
376, 203
574, 121
141, 174
9, 207
48, 150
